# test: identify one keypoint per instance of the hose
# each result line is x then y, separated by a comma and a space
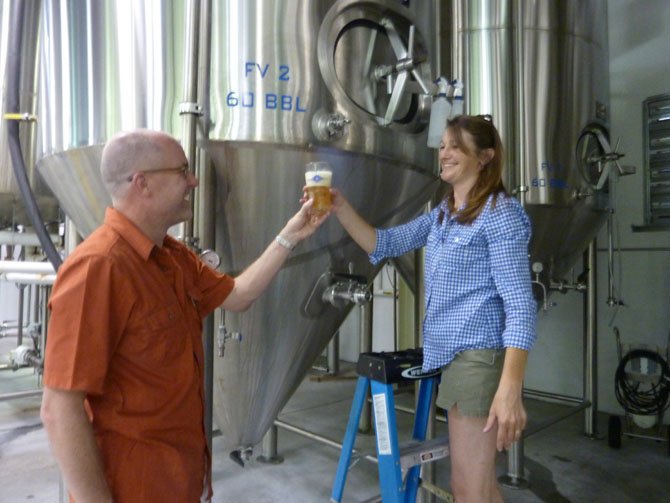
648, 400
13, 83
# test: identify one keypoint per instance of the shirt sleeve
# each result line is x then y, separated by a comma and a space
396, 241
89, 310
508, 236
215, 287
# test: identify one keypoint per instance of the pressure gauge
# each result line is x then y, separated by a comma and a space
211, 258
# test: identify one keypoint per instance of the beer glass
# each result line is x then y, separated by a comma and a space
318, 176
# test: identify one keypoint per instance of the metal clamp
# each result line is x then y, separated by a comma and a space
190, 108
329, 126
23, 117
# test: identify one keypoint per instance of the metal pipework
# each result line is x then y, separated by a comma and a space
26, 267
24, 356
190, 109
564, 286
537, 269
24, 238
222, 336
25, 278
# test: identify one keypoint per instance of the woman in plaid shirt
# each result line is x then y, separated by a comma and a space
480, 311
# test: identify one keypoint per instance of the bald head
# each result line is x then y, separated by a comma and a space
131, 151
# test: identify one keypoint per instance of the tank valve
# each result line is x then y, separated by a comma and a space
341, 293
222, 336
241, 455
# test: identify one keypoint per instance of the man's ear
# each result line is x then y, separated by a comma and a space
139, 181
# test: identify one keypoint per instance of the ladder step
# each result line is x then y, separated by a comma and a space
417, 452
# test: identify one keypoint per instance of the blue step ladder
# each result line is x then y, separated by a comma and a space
380, 371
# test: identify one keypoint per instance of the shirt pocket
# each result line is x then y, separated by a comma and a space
466, 250
153, 334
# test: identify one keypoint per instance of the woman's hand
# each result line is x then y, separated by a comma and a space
508, 411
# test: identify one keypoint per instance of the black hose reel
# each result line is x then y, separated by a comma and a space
642, 388
643, 393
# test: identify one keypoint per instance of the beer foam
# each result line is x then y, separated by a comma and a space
318, 178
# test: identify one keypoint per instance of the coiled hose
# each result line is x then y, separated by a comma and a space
643, 398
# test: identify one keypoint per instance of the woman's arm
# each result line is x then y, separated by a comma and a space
359, 230
507, 407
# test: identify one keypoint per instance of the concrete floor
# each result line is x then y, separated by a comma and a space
561, 464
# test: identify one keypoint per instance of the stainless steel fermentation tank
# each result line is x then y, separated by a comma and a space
289, 81
13, 212
541, 69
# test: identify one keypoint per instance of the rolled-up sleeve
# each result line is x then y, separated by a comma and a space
508, 248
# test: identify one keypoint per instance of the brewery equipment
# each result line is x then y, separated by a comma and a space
256, 89
285, 85
541, 70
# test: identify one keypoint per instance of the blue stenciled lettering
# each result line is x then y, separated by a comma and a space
248, 100
263, 70
283, 75
554, 183
271, 101
249, 67
252, 66
555, 167
557, 183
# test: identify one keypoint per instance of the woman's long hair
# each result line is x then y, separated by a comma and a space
484, 135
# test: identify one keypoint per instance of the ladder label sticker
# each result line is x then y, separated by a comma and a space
381, 424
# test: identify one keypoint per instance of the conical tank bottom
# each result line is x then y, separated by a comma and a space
289, 326
74, 178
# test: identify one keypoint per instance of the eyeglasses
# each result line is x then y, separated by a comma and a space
183, 170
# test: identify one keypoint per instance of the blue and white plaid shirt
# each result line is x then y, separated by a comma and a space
477, 278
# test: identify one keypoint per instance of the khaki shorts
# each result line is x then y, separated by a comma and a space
470, 381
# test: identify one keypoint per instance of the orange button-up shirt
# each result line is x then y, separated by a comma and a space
126, 328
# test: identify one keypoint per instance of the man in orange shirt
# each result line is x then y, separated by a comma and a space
123, 401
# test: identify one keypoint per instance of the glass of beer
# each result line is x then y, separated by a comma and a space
318, 176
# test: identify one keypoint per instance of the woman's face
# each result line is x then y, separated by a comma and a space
458, 168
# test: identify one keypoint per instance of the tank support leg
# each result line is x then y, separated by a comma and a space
269, 452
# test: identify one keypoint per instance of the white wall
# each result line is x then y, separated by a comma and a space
639, 45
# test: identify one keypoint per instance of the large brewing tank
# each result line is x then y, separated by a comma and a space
104, 67
290, 81
12, 209
540, 69
295, 85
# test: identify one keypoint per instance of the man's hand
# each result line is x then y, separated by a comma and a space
303, 224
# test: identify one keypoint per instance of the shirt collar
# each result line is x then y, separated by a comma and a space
130, 233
